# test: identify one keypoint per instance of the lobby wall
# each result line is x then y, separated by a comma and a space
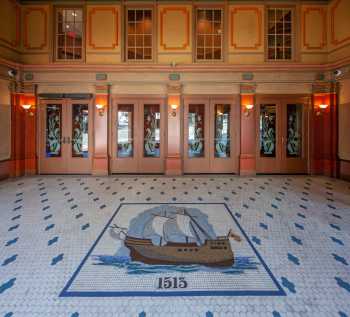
339, 30
344, 124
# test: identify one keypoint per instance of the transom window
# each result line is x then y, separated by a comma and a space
139, 34
280, 36
209, 33
69, 34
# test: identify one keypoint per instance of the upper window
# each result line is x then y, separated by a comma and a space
209, 34
69, 34
139, 34
280, 35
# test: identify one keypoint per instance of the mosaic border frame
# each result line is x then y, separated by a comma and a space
66, 293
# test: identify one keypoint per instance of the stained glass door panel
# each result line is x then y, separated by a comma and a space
125, 131
196, 130
222, 138
80, 130
294, 130
53, 130
151, 130
268, 130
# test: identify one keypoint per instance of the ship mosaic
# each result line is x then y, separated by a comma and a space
172, 249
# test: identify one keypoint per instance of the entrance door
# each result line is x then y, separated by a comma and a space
211, 135
65, 136
282, 143
137, 136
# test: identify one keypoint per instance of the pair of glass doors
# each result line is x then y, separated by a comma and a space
65, 136
211, 135
282, 143
137, 134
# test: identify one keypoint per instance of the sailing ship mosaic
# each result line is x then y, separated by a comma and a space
172, 249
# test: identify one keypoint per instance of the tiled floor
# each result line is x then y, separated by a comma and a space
298, 226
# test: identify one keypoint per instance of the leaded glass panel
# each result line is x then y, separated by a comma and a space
294, 130
222, 131
151, 124
268, 130
196, 114
125, 131
80, 130
53, 130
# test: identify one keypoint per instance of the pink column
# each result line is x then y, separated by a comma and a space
248, 131
173, 160
100, 156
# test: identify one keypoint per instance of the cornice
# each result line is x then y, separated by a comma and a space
180, 68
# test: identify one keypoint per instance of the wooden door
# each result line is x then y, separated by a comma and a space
224, 135
138, 134
125, 136
79, 136
196, 135
151, 136
269, 136
52, 137
282, 136
295, 136
65, 137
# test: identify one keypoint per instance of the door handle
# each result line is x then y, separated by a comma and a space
68, 140
64, 140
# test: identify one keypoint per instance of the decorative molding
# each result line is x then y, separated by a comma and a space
323, 14
114, 11
27, 12
186, 43
259, 28
14, 43
334, 39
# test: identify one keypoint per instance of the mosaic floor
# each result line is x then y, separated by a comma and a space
76, 246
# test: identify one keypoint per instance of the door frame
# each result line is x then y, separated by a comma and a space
281, 164
41, 133
140, 162
207, 164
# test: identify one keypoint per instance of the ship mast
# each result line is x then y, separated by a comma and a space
197, 224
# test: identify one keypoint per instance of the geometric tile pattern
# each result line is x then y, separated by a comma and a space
300, 226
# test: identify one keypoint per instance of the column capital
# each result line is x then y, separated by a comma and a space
248, 88
174, 88
324, 88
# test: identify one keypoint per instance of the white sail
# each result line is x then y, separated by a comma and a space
183, 223
158, 223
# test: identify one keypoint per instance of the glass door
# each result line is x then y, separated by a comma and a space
282, 135
52, 140
295, 130
224, 135
65, 135
269, 137
211, 135
125, 149
79, 136
151, 121
137, 136
196, 136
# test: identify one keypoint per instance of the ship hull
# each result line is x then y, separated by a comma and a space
214, 253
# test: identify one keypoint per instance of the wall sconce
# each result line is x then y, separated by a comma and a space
27, 108
248, 109
321, 108
101, 109
173, 107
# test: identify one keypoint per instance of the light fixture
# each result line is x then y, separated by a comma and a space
27, 108
173, 107
101, 109
248, 109
321, 109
